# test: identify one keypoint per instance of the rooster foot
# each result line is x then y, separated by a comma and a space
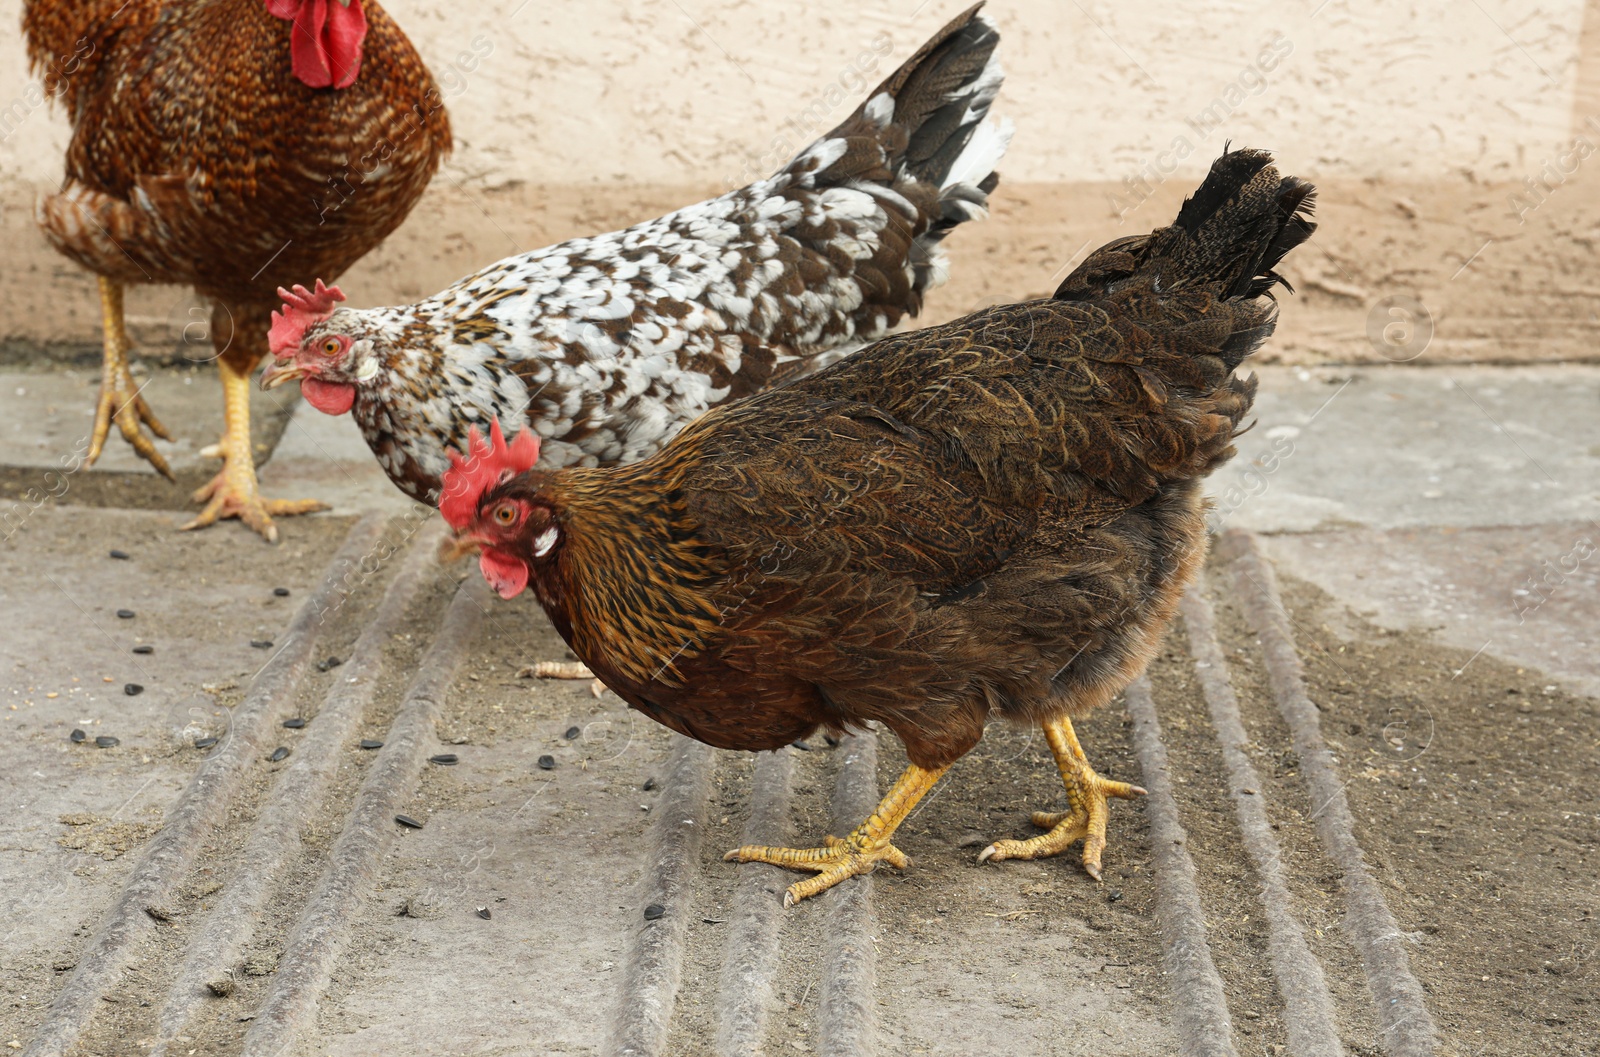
859, 853
120, 399
233, 493
1088, 807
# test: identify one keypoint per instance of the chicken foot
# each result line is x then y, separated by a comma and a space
120, 399
233, 491
1088, 807
860, 852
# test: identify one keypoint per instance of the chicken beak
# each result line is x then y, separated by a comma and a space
281, 372
453, 548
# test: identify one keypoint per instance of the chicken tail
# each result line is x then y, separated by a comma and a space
1228, 238
923, 146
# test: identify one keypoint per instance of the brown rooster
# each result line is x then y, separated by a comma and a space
994, 517
231, 145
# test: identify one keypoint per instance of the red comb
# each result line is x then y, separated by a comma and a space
487, 464
301, 308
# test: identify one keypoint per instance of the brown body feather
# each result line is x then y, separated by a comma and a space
198, 158
992, 517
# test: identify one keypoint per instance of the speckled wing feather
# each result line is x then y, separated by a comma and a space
605, 346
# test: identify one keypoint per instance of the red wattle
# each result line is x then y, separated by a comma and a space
331, 398
325, 44
507, 575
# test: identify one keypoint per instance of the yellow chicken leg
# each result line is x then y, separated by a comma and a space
233, 491
860, 852
120, 399
1088, 807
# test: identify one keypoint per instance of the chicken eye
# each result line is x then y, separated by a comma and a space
505, 513
330, 347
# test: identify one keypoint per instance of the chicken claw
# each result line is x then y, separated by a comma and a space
233, 491
859, 853
1088, 807
120, 399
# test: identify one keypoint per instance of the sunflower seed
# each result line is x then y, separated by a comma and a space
204, 743
802, 746
649, 784
483, 912
572, 732
144, 649
547, 763
654, 911
832, 741
281, 592
120, 555
408, 822
106, 741
445, 759
132, 689
369, 743
78, 735
261, 644
294, 724
280, 753
329, 664
125, 614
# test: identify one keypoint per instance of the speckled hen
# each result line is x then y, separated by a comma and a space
234, 146
606, 346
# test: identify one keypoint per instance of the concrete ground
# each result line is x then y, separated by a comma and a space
1370, 745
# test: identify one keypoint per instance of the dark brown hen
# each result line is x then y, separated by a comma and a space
995, 517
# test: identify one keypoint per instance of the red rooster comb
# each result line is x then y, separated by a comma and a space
301, 308
487, 464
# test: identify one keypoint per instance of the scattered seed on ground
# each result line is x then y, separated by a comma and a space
120, 555
132, 689
329, 664
445, 759
408, 822
204, 743
78, 735
280, 753
833, 742
261, 644
294, 724
369, 743
654, 911
547, 763
106, 741
483, 912
144, 649
572, 732
649, 784
125, 614
802, 746
281, 592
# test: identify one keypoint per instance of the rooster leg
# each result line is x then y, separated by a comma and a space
860, 852
119, 397
1087, 807
233, 492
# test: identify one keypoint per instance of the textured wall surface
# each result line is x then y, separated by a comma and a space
1449, 140
689, 91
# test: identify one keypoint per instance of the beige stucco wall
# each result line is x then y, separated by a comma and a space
1419, 119
689, 91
